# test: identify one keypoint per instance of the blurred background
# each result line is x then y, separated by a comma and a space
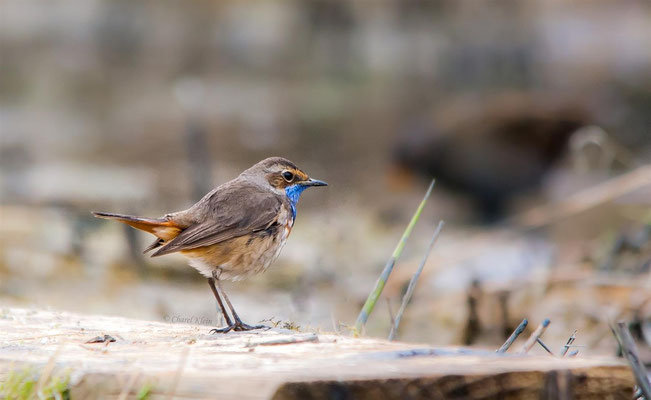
533, 116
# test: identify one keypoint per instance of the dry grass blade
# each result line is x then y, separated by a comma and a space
513, 336
305, 338
588, 198
544, 346
412, 283
534, 337
568, 343
391, 317
369, 305
629, 350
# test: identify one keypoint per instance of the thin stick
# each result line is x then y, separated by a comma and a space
393, 320
544, 346
513, 336
568, 344
587, 198
629, 349
335, 325
310, 337
412, 283
534, 337
367, 309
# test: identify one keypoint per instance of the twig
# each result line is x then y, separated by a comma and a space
629, 349
412, 283
534, 337
513, 336
382, 280
335, 324
420, 352
568, 344
310, 337
544, 346
587, 199
393, 320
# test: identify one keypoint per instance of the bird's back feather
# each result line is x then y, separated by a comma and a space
234, 209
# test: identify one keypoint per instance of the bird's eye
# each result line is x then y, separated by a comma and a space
288, 176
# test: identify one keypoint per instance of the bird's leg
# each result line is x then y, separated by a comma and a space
211, 282
238, 325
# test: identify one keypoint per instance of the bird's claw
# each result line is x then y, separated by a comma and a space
225, 329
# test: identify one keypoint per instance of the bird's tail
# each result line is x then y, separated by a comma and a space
163, 228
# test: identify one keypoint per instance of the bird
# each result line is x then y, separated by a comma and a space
235, 231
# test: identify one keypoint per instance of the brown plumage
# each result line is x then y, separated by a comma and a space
236, 230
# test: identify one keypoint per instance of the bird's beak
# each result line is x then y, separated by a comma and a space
313, 182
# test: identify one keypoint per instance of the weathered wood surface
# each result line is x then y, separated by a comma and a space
184, 361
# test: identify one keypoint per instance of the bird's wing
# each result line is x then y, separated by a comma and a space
226, 213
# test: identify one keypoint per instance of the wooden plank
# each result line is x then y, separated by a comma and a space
191, 363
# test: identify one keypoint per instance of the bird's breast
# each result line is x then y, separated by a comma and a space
246, 255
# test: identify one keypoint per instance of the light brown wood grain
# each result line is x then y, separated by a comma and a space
188, 362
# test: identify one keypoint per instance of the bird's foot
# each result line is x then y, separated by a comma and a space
238, 326
241, 326
225, 329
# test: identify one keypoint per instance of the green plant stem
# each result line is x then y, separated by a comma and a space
382, 280
412, 283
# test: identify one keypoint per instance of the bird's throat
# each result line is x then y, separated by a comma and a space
293, 192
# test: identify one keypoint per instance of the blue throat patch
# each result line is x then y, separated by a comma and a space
293, 192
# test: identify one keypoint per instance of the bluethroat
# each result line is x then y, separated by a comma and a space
233, 232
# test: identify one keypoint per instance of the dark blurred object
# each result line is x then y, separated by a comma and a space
473, 327
503, 299
630, 251
491, 151
102, 339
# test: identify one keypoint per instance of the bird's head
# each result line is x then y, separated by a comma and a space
284, 177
